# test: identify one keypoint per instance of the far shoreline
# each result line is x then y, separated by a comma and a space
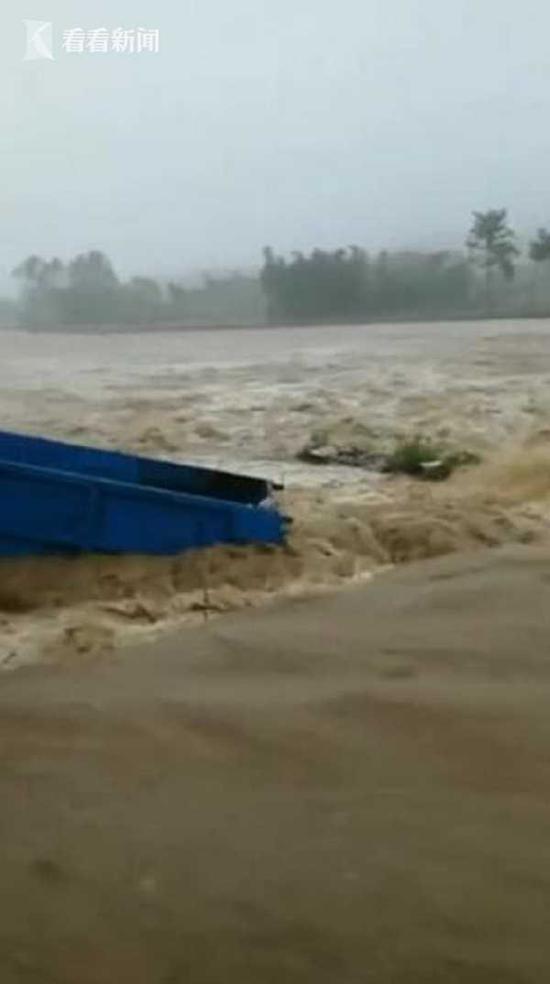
173, 327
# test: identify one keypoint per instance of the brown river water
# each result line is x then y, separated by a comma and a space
251, 399
346, 778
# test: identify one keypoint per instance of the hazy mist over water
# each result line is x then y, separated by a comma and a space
295, 124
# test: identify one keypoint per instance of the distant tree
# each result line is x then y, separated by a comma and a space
232, 298
148, 288
539, 253
318, 287
140, 301
86, 291
92, 272
539, 247
346, 284
271, 278
93, 294
177, 296
39, 274
42, 282
29, 270
491, 243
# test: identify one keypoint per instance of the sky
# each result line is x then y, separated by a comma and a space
294, 123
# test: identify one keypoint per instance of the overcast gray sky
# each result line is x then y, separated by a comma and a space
290, 122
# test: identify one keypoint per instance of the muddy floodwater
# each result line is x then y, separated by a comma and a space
321, 764
252, 399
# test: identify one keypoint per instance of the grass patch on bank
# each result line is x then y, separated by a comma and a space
420, 458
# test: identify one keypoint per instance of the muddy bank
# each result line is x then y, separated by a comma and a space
345, 789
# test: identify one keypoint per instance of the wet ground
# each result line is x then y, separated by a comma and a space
351, 789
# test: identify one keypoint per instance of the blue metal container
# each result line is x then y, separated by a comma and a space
65, 498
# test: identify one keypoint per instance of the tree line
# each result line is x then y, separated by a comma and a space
349, 284
346, 284
87, 291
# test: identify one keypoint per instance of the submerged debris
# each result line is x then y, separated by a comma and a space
417, 457
354, 456
422, 459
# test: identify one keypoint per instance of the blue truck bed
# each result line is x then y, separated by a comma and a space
66, 498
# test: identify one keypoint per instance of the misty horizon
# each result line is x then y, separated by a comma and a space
321, 125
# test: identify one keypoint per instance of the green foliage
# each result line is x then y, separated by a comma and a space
91, 273
88, 291
347, 285
140, 301
412, 283
539, 247
492, 247
340, 285
323, 285
85, 291
420, 458
234, 299
411, 457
